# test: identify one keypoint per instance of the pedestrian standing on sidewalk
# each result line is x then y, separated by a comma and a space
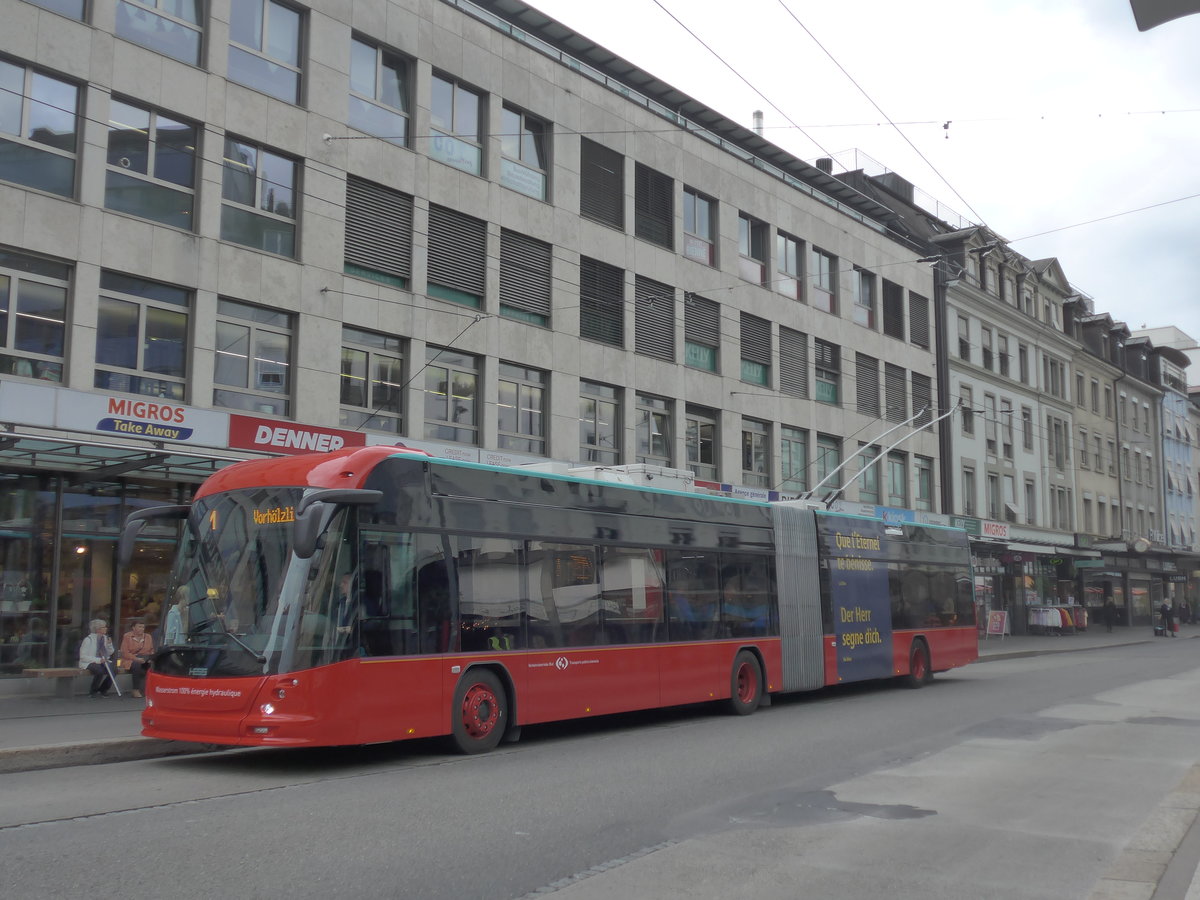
94, 654
1110, 613
136, 650
1164, 613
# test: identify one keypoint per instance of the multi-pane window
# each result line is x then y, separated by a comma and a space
379, 91
599, 412
259, 191
654, 206
756, 350
752, 249
1026, 428
897, 482
521, 409
525, 278
151, 165
893, 310
866, 382
1006, 428
1023, 363
264, 47
822, 280
379, 229
828, 370
985, 340
1082, 443
601, 302
993, 495
72, 9
1056, 432
826, 462
756, 453
918, 320
968, 491
1002, 353
252, 369
967, 401
454, 117
451, 396
964, 338
864, 298
371, 381
922, 399
601, 184
868, 475
653, 430
1031, 504
923, 477
141, 337
793, 458
523, 159
33, 313
699, 227
701, 332
793, 362
173, 28
654, 318
895, 393
457, 257
700, 441
787, 265
38, 129
989, 422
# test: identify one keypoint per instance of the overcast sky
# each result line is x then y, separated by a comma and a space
1060, 112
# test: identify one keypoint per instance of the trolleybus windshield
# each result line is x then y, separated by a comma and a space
241, 600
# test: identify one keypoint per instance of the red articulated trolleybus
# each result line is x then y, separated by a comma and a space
380, 594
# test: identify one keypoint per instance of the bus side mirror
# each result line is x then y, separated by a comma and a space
310, 511
137, 520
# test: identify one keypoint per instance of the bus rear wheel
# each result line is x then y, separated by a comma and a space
745, 684
920, 672
479, 713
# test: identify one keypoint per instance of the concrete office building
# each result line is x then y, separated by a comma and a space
251, 226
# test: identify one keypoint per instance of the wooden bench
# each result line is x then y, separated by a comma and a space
64, 679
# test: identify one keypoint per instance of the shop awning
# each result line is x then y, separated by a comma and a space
86, 460
1053, 550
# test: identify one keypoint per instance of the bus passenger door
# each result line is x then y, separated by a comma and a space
399, 682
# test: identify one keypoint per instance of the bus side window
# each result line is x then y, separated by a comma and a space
376, 637
693, 609
433, 607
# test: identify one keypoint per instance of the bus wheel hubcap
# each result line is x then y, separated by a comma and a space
479, 711
745, 681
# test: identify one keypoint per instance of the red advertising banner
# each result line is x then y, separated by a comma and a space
274, 436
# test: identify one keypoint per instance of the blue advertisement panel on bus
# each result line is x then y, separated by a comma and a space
857, 574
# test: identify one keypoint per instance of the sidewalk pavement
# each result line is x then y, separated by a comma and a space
41, 731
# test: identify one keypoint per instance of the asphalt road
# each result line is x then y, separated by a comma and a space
1016, 779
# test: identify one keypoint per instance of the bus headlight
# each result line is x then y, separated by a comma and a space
268, 709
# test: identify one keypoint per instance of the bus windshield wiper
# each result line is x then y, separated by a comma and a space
257, 657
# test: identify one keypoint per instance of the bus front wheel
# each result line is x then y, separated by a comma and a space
745, 684
479, 714
920, 672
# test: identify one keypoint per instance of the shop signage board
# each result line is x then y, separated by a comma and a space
150, 418
997, 623
276, 436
